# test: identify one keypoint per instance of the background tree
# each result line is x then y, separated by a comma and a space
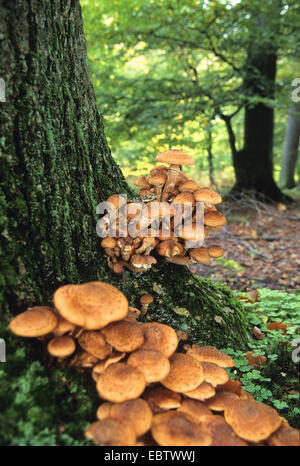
291, 147
177, 65
56, 167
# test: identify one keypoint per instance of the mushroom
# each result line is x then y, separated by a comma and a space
195, 409
153, 364
159, 337
204, 391
136, 413
111, 432
100, 367
214, 374
251, 420
145, 301
210, 354
160, 398
123, 336
207, 196
220, 400
34, 322
157, 179
95, 344
175, 158
200, 255
121, 382
91, 305
61, 347
178, 429
215, 251
186, 373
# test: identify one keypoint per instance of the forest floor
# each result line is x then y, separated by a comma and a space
261, 247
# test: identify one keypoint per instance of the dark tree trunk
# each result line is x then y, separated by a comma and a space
253, 164
56, 167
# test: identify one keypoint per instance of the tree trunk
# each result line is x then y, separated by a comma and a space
290, 151
253, 164
56, 167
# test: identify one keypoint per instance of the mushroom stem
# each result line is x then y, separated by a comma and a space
171, 181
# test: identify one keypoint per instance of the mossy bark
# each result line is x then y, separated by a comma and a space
56, 167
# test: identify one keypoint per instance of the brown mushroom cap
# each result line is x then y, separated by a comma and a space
207, 195
192, 232
210, 354
63, 326
99, 368
159, 337
177, 429
111, 432
184, 198
124, 336
188, 185
285, 437
61, 347
134, 412
231, 385
142, 182
146, 299
204, 391
195, 409
121, 382
214, 374
34, 322
214, 219
221, 400
250, 420
108, 242
103, 411
153, 364
169, 248
186, 373
175, 157
91, 305
200, 255
94, 343
215, 251
222, 434
160, 398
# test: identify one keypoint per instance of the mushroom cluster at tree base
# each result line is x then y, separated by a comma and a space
172, 218
151, 394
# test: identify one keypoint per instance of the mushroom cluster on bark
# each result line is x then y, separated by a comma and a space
165, 220
151, 392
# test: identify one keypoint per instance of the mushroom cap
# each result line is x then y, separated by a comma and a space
221, 400
121, 382
103, 411
99, 368
184, 198
159, 337
142, 182
146, 299
195, 409
188, 185
160, 398
63, 326
108, 242
117, 200
285, 437
215, 251
34, 322
175, 157
252, 420
91, 305
210, 354
169, 248
214, 218
61, 347
111, 432
124, 336
136, 413
214, 374
231, 385
222, 434
186, 373
207, 195
84, 359
153, 364
94, 343
204, 391
200, 255
157, 178
177, 429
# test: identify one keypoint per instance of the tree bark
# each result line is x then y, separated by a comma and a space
253, 164
291, 145
56, 167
